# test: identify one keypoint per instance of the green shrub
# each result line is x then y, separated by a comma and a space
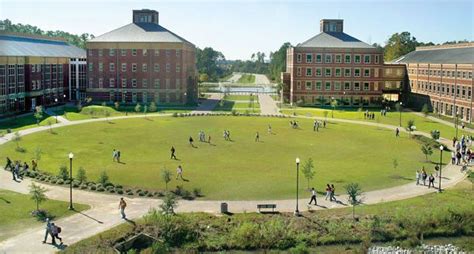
175, 114
81, 175
60, 181
119, 191
63, 173
92, 187
103, 178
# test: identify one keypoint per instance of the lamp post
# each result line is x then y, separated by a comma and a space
344, 98
400, 114
441, 148
333, 104
71, 156
64, 98
297, 212
456, 115
56, 114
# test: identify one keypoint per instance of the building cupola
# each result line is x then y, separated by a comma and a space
331, 25
145, 16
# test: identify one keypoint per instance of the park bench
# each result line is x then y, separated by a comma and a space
266, 206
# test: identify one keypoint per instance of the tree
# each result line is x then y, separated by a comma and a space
425, 110
169, 203
38, 114
333, 105
411, 126
63, 174
399, 44
145, 109
138, 108
38, 194
208, 64
427, 150
153, 107
354, 193
395, 164
435, 134
103, 178
17, 138
398, 107
308, 170
117, 105
166, 177
278, 62
81, 175
38, 153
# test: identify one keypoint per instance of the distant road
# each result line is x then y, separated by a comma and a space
261, 79
235, 76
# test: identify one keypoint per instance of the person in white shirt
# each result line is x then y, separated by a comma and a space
313, 197
179, 172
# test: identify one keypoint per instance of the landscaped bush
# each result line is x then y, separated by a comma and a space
92, 187
197, 192
119, 191
101, 189
60, 181
83, 186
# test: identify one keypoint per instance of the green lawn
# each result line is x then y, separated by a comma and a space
238, 106
392, 118
15, 210
246, 79
24, 122
241, 97
242, 169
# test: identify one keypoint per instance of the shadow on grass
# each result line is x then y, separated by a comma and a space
6, 201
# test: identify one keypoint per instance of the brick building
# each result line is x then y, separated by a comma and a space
142, 62
335, 65
34, 70
442, 77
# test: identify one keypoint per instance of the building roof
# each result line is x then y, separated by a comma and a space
334, 40
14, 45
460, 55
140, 32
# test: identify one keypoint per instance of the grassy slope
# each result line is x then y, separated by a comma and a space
246, 79
15, 211
452, 199
242, 169
240, 97
392, 118
25, 122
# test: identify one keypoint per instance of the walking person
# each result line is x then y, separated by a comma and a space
33, 165
333, 193
191, 141
209, 139
179, 172
397, 132
417, 177
55, 230
118, 156
424, 176
324, 124
122, 206
257, 137
313, 197
114, 155
431, 181
173, 155
9, 164
328, 192
47, 231
269, 129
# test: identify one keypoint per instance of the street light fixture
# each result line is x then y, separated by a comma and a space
297, 212
56, 114
400, 114
441, 148
71, 156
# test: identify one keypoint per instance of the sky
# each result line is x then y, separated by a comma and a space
240, 28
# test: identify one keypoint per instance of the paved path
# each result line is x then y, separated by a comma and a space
443, 121
235, 77
261, 79
209, 104
268, 106
104, 214
58, 117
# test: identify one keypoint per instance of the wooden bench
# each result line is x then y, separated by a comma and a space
266, 206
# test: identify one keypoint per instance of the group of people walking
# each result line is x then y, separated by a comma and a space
18, 169
317, 124
330, 193
52, 230
202, 137
421, 177
116, 155
462, 153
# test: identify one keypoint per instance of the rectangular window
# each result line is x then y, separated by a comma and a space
134, 67
318, 85
91, 67
347, 85
309, 72
309, 58
134, 52
337, 85
178, 68
356, 58
167, 67
347, 72
366, 86
111, 82
347, 59
124, 67
327, 72
144, 52
167, 53
111, 52
319, 72
111, 67
356, 86
101, 67
123, 52
338, 58
134, 82
157, 83
376, 59
356, 72
157, 52
298, 85
178, 53
91, 82
101, 82
327, 86
366, 72
101, 52
156, 68
309, 85
328, 58
319, 58
298, 71
144, 67
144, 82
298, 58
178, 83
124, 82
367, 59
338, 72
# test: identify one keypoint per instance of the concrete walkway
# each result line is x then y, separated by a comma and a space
209, 104
59, 119
268, 106
443, 121
104, 213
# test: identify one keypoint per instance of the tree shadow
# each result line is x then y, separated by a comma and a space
6, 201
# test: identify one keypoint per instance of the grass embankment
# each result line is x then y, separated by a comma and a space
16, 208
24, 122
406, 223
241, 169
246, 79
392, 118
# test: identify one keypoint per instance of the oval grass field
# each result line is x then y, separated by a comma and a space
241, 169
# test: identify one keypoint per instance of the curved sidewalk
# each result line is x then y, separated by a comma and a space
104, 213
